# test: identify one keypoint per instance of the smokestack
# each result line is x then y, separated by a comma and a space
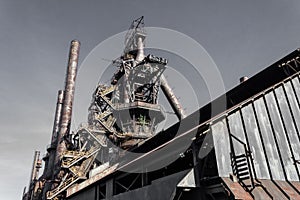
65, 122
171, 98
51, 150
36, 165
57, 117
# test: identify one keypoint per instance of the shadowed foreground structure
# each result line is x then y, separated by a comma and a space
250, 150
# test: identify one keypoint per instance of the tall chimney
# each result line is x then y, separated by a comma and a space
36, 165
51, 149
171, 98
65, 122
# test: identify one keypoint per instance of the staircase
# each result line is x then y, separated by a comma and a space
240, 167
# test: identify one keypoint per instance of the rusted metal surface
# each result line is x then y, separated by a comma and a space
172, 98
296, 186
260, 193
65, 122
288, 189
264, 189
127, 110
237, 190
273, 190
36, 165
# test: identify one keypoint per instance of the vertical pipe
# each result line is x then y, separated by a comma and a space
49, 163
57, 117
171, 98
125, 87
36, 165
65, 122
51, 150
34, 171
140, 49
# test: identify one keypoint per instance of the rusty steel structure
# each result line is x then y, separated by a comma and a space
32, 188
246, 149
50, 156
66, 113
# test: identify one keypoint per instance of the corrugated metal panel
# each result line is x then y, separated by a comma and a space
269, 141
289, 125
295, 115
294, 102
296, 85
255, 142
222, 147
268, 125
283, 146
236, 128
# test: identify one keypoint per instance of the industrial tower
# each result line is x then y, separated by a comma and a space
120, 116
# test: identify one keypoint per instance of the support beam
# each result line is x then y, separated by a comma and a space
171, 98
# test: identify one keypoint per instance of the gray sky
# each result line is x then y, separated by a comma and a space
242, 37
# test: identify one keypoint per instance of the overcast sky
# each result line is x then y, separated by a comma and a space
242, 37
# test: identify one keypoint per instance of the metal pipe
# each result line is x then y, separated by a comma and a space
171, 98
65, 122
34, 171
48, 173
49, 162
36, 165
140, 50
57, 117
